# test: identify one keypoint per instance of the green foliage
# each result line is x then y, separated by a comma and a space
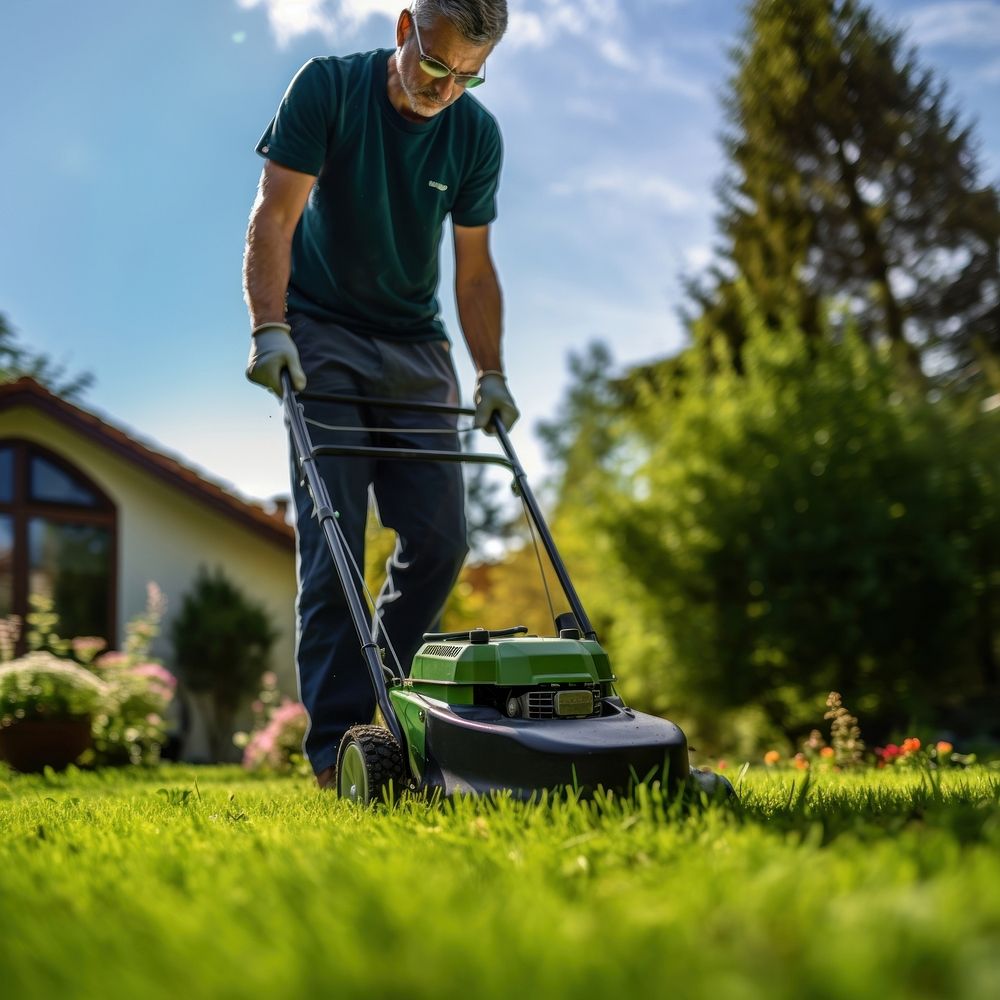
850, 179
133, 728
127, 722
812, 524
222, 640
42, 686
43, 624
857, 886
582, 436
17, 361
274, 744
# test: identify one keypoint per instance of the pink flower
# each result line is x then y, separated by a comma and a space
153, 719
273, 745
156, 673
112, 660
270, 679
288, 711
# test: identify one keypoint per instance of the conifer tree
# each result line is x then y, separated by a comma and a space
17, 361
852, 181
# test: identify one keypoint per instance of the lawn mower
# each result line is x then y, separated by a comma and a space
488, 709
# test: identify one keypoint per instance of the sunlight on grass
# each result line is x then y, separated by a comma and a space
149, 883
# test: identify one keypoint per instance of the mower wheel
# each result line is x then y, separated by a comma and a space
369, 763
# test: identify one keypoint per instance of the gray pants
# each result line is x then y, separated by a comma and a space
423, 502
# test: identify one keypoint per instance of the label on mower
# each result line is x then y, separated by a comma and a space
574, 702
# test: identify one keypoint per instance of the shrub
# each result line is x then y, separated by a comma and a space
813, 522
222, 642
280, 724
127, 722
42, 686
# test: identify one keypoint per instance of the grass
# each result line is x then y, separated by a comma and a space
195, 883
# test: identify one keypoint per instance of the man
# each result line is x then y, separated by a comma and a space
366, 156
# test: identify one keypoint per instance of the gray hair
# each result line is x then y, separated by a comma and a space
481, 22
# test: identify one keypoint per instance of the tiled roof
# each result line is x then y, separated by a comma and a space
269, 524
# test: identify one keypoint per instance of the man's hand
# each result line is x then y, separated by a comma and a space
493, 396
272, 350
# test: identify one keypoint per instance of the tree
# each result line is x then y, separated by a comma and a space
17, 361
222, 645
808, 524
581, 438
852, 180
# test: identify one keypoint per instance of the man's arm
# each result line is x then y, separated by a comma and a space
480, 311
477, 294
267, 264
267, 260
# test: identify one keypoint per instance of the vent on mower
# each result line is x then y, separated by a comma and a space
451, 650
581, 702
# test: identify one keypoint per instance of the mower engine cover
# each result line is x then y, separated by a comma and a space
525, 714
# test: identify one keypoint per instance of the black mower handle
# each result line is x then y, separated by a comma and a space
292, 403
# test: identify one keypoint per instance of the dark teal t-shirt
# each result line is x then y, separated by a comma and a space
365, 253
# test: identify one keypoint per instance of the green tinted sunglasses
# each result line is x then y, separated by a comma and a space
438, 69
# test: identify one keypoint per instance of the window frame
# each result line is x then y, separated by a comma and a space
23, 508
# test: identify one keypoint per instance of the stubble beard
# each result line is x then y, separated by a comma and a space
423, 102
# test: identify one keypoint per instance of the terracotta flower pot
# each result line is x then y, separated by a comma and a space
34, 744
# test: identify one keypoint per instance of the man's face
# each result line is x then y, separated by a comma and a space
429, 96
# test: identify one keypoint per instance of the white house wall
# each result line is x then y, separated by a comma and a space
165, 535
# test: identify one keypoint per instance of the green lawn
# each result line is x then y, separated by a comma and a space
188, 883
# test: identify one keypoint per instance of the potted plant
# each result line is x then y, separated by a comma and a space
46, 707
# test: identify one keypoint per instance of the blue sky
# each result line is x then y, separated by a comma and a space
128, 171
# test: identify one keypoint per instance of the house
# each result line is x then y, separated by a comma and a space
89, 515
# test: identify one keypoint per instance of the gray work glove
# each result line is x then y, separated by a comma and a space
272, 350
493, 396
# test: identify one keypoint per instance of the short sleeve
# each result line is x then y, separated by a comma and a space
298, 134
476, 202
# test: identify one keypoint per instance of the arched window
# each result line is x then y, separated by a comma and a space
58, 539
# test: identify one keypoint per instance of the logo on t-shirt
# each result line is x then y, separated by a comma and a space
438, 185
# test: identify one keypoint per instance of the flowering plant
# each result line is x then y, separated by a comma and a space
133, 728
847, 750
42, 686
62, 678
280, 724
912, 753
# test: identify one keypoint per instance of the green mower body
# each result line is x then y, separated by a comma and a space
525, 714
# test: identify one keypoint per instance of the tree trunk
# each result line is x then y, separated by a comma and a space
874, 257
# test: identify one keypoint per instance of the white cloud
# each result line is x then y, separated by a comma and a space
615, 53
536, 24
331, 18
630, 185
526, 29
548, 20
698, 257
659, 76
990, 72
597, 111
972, 23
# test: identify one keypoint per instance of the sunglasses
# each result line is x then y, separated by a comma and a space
438, 70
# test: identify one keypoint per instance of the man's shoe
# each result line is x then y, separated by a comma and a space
327, 778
